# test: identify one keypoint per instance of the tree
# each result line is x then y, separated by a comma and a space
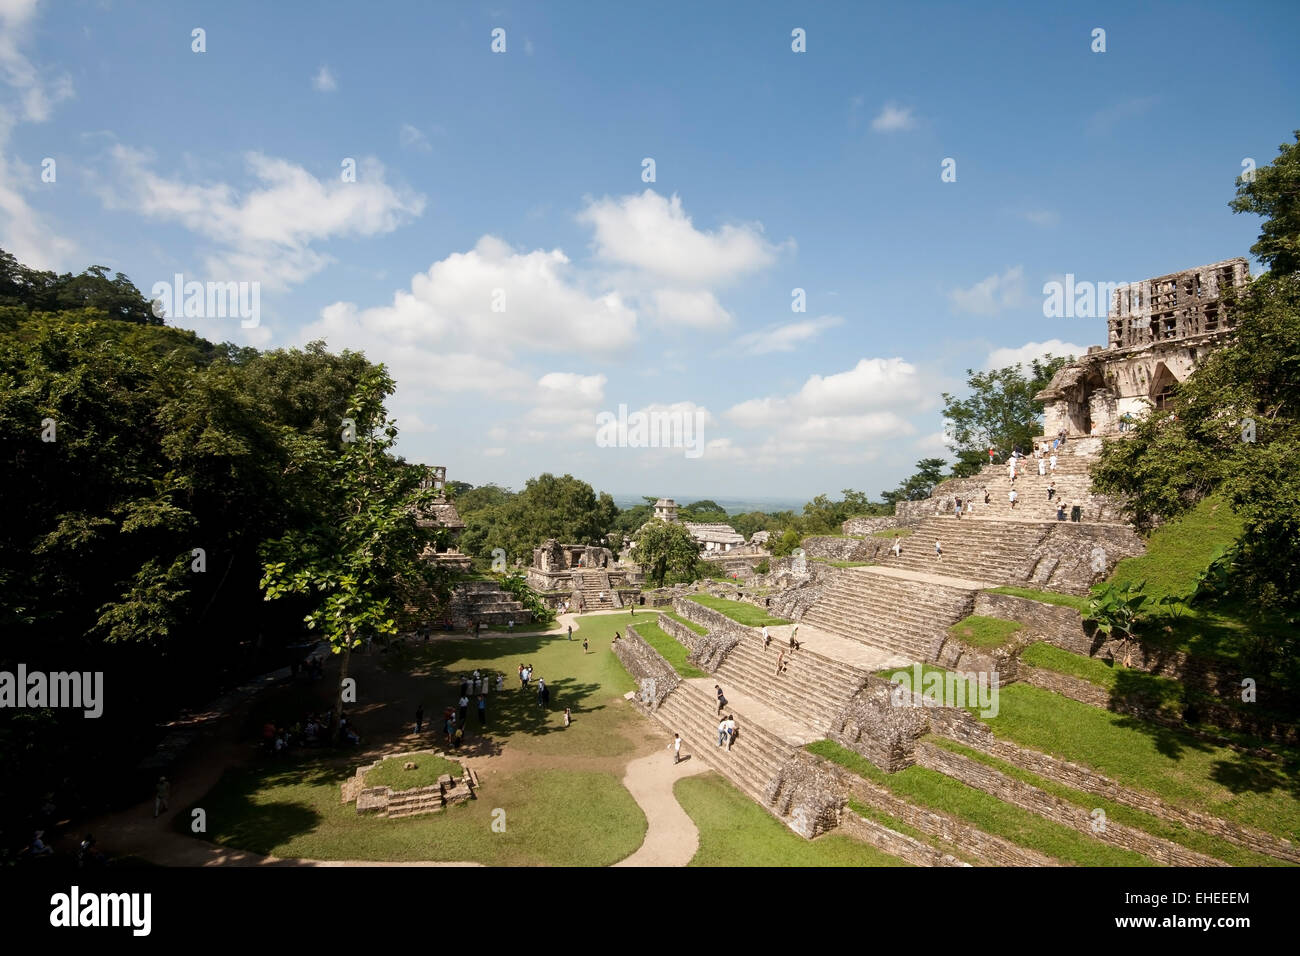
999, 413
361, 560
1274, 193
667, 553
929, 472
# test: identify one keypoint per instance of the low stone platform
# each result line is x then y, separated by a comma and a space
387, 802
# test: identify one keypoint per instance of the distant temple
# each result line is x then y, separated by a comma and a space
441, 513
1159, 330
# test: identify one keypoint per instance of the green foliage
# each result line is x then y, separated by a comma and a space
563, 508
667, 553
33, 290
739, 611
1000, 411
823, 515
1114, 610
1275, 194
929, 472
784, 546
984, 632
668, 647
516, 583
763, 567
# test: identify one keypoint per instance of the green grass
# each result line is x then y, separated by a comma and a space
735, 831
1174, 765
1080, 604
984, 632
929, 788
898, 826
294, 811
1180, 550
1118, 812
669, 647
428, 768
1112, 676
689, 625
738, 611
849, 564
892, 533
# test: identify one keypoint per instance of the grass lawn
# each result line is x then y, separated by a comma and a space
735, 831
689, 625
892, 533
428, 768
1180, 550
669, 647
930, 788
984, 632
1080, 604
738, 611
553, 817
1113, 676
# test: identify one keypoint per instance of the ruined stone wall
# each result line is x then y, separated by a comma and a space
808, 795
724, 633
895, 844
868, 526
1028, 797
656, 677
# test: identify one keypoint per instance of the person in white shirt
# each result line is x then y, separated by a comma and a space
676, 748
1052, 464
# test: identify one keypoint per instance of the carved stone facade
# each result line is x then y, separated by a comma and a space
1159, 330
442, 513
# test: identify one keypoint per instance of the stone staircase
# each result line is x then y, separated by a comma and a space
812, 688
487, 603
766, 739
590, 585
906, 615
990, 551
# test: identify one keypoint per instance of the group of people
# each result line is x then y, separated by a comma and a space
312, 731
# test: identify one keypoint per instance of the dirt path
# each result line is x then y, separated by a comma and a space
671, 838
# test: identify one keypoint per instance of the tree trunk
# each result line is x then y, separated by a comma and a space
338, 700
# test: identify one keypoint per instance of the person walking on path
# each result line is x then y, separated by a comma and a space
1011, 496
1051, 490
722, 701
162, 794
1042, 468
898, 545
722, 731
482, 710
584, 645
1051, 463
676, 747
570, 632
1076, 511
730, 724
1060, 511
990, 456
462, 709
419, 718
568, 717
957, 510
767, 637
794, 644
938, 548
780, 664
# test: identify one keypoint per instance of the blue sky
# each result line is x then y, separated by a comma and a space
522, 171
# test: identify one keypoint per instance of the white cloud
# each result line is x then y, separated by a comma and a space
653, 234
323, 81
852, 406
413, 138
992, 294
1024, 354
444, 330
266, 232
31, 94
695, 308
893, 118
1041, 217
784, 338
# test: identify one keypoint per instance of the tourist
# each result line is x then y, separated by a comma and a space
482, 710
958, 508
722, 701
501, 680
541, 692
938, 548
1051, 490
570, 632
1052, 463
898, 545
1011, 496
970, 506
723, 731
675, 747
1011, 468
448, 728
162, 793
584, 643
767, 637
1076, 511
568, 717
457, 738
462, 708
511, 625
780, 663
794, 644
1061, 435
731, 730
419, 721
990, 456
1042, 468
523, 684
987, 496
